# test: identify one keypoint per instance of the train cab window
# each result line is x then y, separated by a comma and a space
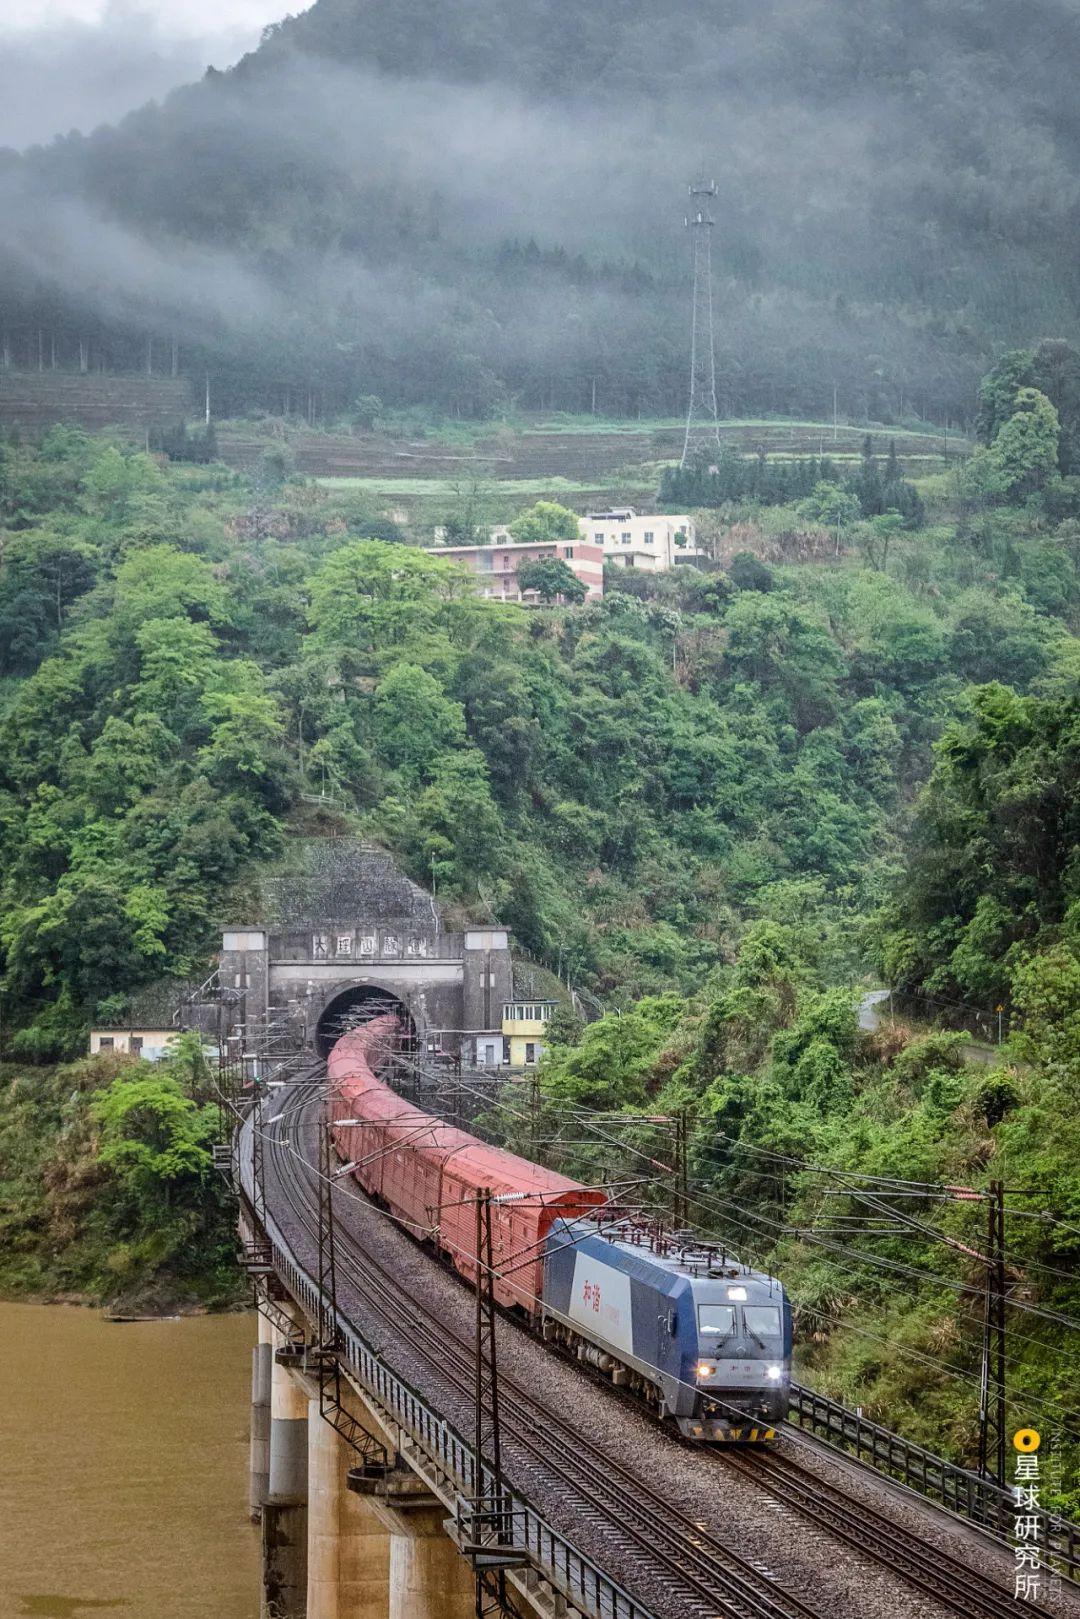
762, 1320
718, 1318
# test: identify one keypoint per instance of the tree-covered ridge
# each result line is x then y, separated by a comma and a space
432, 202
821, 488
992, 884
625, 783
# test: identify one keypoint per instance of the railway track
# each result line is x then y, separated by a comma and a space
951, 1582
704, 1577
703, 1572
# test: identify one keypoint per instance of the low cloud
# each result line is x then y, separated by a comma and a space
68, 75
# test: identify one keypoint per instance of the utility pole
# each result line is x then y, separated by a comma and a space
372, 1461
487, 1441
681, 1187
992, 1379
702, 415
487, 1539
534, 1117
258, 1165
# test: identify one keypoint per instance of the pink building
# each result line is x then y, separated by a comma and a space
497, 565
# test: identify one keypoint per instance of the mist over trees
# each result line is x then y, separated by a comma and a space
460, 204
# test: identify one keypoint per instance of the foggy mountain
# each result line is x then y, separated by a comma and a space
68, 74
460, 202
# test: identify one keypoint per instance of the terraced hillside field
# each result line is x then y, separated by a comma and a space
593, 457
33, 401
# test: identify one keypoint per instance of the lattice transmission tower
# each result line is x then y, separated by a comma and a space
702, 416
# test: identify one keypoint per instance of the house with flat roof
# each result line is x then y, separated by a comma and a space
631, 540
496, 565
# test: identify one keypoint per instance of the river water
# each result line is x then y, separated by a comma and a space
123, 1467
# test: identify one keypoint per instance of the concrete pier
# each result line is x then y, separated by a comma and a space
262, 1364
284, 1513
288, 1436
348, 1547
284, 1560
429, 1579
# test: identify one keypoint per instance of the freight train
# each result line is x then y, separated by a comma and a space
703, 1339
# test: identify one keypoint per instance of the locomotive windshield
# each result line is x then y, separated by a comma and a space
716, 1318
762, 1320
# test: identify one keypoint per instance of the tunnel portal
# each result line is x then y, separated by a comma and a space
355, 1006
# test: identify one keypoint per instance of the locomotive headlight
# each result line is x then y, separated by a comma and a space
704, 1368
774, 1373
737, 1293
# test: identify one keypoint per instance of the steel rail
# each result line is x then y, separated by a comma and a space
714, 1578
938, 1573
958, 1491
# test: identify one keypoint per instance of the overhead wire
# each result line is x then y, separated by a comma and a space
743, 1217
1022, 1402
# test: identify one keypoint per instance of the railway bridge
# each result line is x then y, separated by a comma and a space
363, 1468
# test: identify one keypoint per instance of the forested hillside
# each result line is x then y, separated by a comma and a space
185, 654
459, 204
694, 798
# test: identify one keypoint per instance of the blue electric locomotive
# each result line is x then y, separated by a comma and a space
703, 1338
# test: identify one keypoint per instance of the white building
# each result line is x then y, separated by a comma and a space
624, 538
149, 1044
652, 542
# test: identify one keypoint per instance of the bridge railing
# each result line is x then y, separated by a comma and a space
968, 1494
569, 1572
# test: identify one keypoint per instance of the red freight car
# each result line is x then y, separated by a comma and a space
428, 1173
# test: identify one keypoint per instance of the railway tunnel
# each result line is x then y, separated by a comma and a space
357, 1005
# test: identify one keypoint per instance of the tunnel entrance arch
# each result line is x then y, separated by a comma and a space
357, 1005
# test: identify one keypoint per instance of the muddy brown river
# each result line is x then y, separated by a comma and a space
123, 1467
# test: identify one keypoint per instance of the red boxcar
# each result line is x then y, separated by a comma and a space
428, 1173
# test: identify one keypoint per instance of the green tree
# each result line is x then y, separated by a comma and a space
1025, 450
547, 520
414, 723
832, 505
365, 412
1054, 369
155, 1138
371, 598
552, 579
43, 573
614, 1062
877, 536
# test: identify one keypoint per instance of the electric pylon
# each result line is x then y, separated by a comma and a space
702, 416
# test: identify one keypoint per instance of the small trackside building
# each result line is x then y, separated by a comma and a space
149, 1044
496, 565
524, 1027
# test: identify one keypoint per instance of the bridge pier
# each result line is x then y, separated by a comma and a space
429, 1578
348, 1547
284, 1513
262, 1369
